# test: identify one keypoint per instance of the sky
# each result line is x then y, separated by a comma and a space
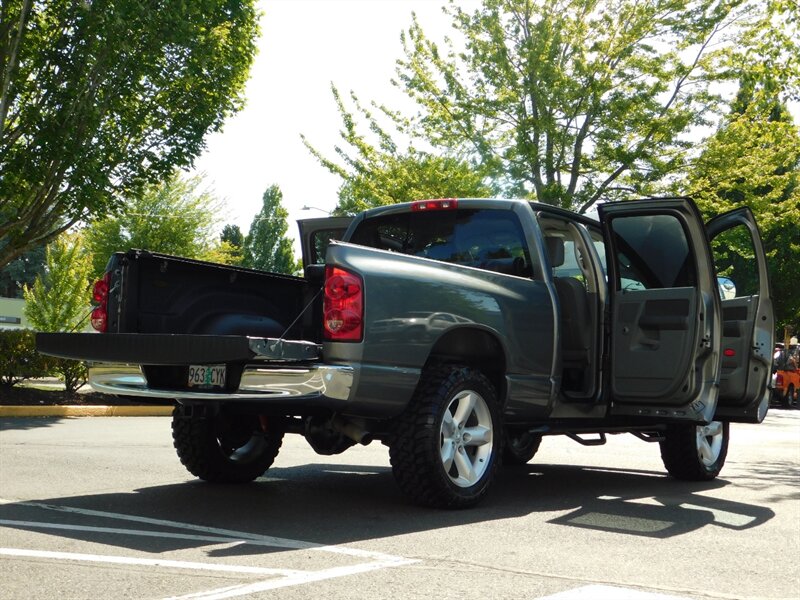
305, 46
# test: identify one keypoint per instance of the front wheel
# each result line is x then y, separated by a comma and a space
446, 446
225, 448
695, 452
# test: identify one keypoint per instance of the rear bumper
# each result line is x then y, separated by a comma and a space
330, 384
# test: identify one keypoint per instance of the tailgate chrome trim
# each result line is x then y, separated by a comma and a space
258, 383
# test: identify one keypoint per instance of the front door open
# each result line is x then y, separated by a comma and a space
748, 323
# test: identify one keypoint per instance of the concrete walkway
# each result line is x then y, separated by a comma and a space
85, 411
82, 410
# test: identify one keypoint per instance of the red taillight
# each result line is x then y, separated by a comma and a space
99, 317
100, 290
343, 306
729, 352
441, 204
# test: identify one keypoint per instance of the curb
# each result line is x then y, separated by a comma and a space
85, 411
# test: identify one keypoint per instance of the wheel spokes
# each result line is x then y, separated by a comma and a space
466, 404
448, 454
704, 450
466, 471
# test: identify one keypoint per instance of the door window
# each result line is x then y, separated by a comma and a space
735, 262
652, 252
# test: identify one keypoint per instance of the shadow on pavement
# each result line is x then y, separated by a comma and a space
333, 505
26, 423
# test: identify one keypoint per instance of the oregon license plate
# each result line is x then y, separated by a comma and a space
207, 376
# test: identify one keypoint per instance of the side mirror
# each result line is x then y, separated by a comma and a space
727, 289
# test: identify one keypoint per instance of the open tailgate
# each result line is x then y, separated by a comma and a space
173, 349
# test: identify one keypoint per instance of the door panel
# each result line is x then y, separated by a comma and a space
748, 322
652, 341
665, 313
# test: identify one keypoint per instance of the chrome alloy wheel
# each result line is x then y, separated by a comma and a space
466, 438
709, 442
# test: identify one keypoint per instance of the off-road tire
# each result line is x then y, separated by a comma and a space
225, 448
695, 452
520, 447
422, 439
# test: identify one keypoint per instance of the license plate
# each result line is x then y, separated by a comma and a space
207, 376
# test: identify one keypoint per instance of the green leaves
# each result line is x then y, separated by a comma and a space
569, 101
175, 217
59, 299
375, 172
103, 98
754, 161
266, 246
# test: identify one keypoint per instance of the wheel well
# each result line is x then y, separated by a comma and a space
475, 348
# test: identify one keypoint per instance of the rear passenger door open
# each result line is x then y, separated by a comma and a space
664, 322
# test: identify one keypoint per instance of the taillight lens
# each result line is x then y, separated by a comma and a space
99, 316
440, 204
343, 305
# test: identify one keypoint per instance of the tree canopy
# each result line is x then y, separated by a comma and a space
379, 173
98, 99
21, 271
59, 298
266, 246
568, 101
754, 160
174, 217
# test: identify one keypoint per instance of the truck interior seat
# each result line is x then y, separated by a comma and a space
576, 323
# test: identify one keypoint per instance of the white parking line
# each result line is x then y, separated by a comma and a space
608, 592
149, 562
282, 577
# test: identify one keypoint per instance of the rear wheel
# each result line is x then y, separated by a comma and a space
225, 448
521, 446
446, 446
695, 452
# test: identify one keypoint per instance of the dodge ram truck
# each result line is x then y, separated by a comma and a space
457, 332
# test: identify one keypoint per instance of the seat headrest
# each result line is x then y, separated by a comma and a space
555, 250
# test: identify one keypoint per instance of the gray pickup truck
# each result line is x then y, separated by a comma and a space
457, 332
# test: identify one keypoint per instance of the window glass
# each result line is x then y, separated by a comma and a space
735, 261
485, 239
320, 240
652, 252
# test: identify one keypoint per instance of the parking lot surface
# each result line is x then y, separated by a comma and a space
101, 508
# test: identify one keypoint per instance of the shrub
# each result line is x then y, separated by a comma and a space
18, 357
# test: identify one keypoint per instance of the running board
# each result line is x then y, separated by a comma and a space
599, 441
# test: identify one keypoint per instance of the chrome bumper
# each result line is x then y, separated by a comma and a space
323, 381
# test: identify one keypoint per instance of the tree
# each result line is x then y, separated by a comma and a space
568, 101
266, 246
59, 299
231, 246
98, 99
21, 271
754, 157
233, 235
376, 175
174, 217
754, 161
